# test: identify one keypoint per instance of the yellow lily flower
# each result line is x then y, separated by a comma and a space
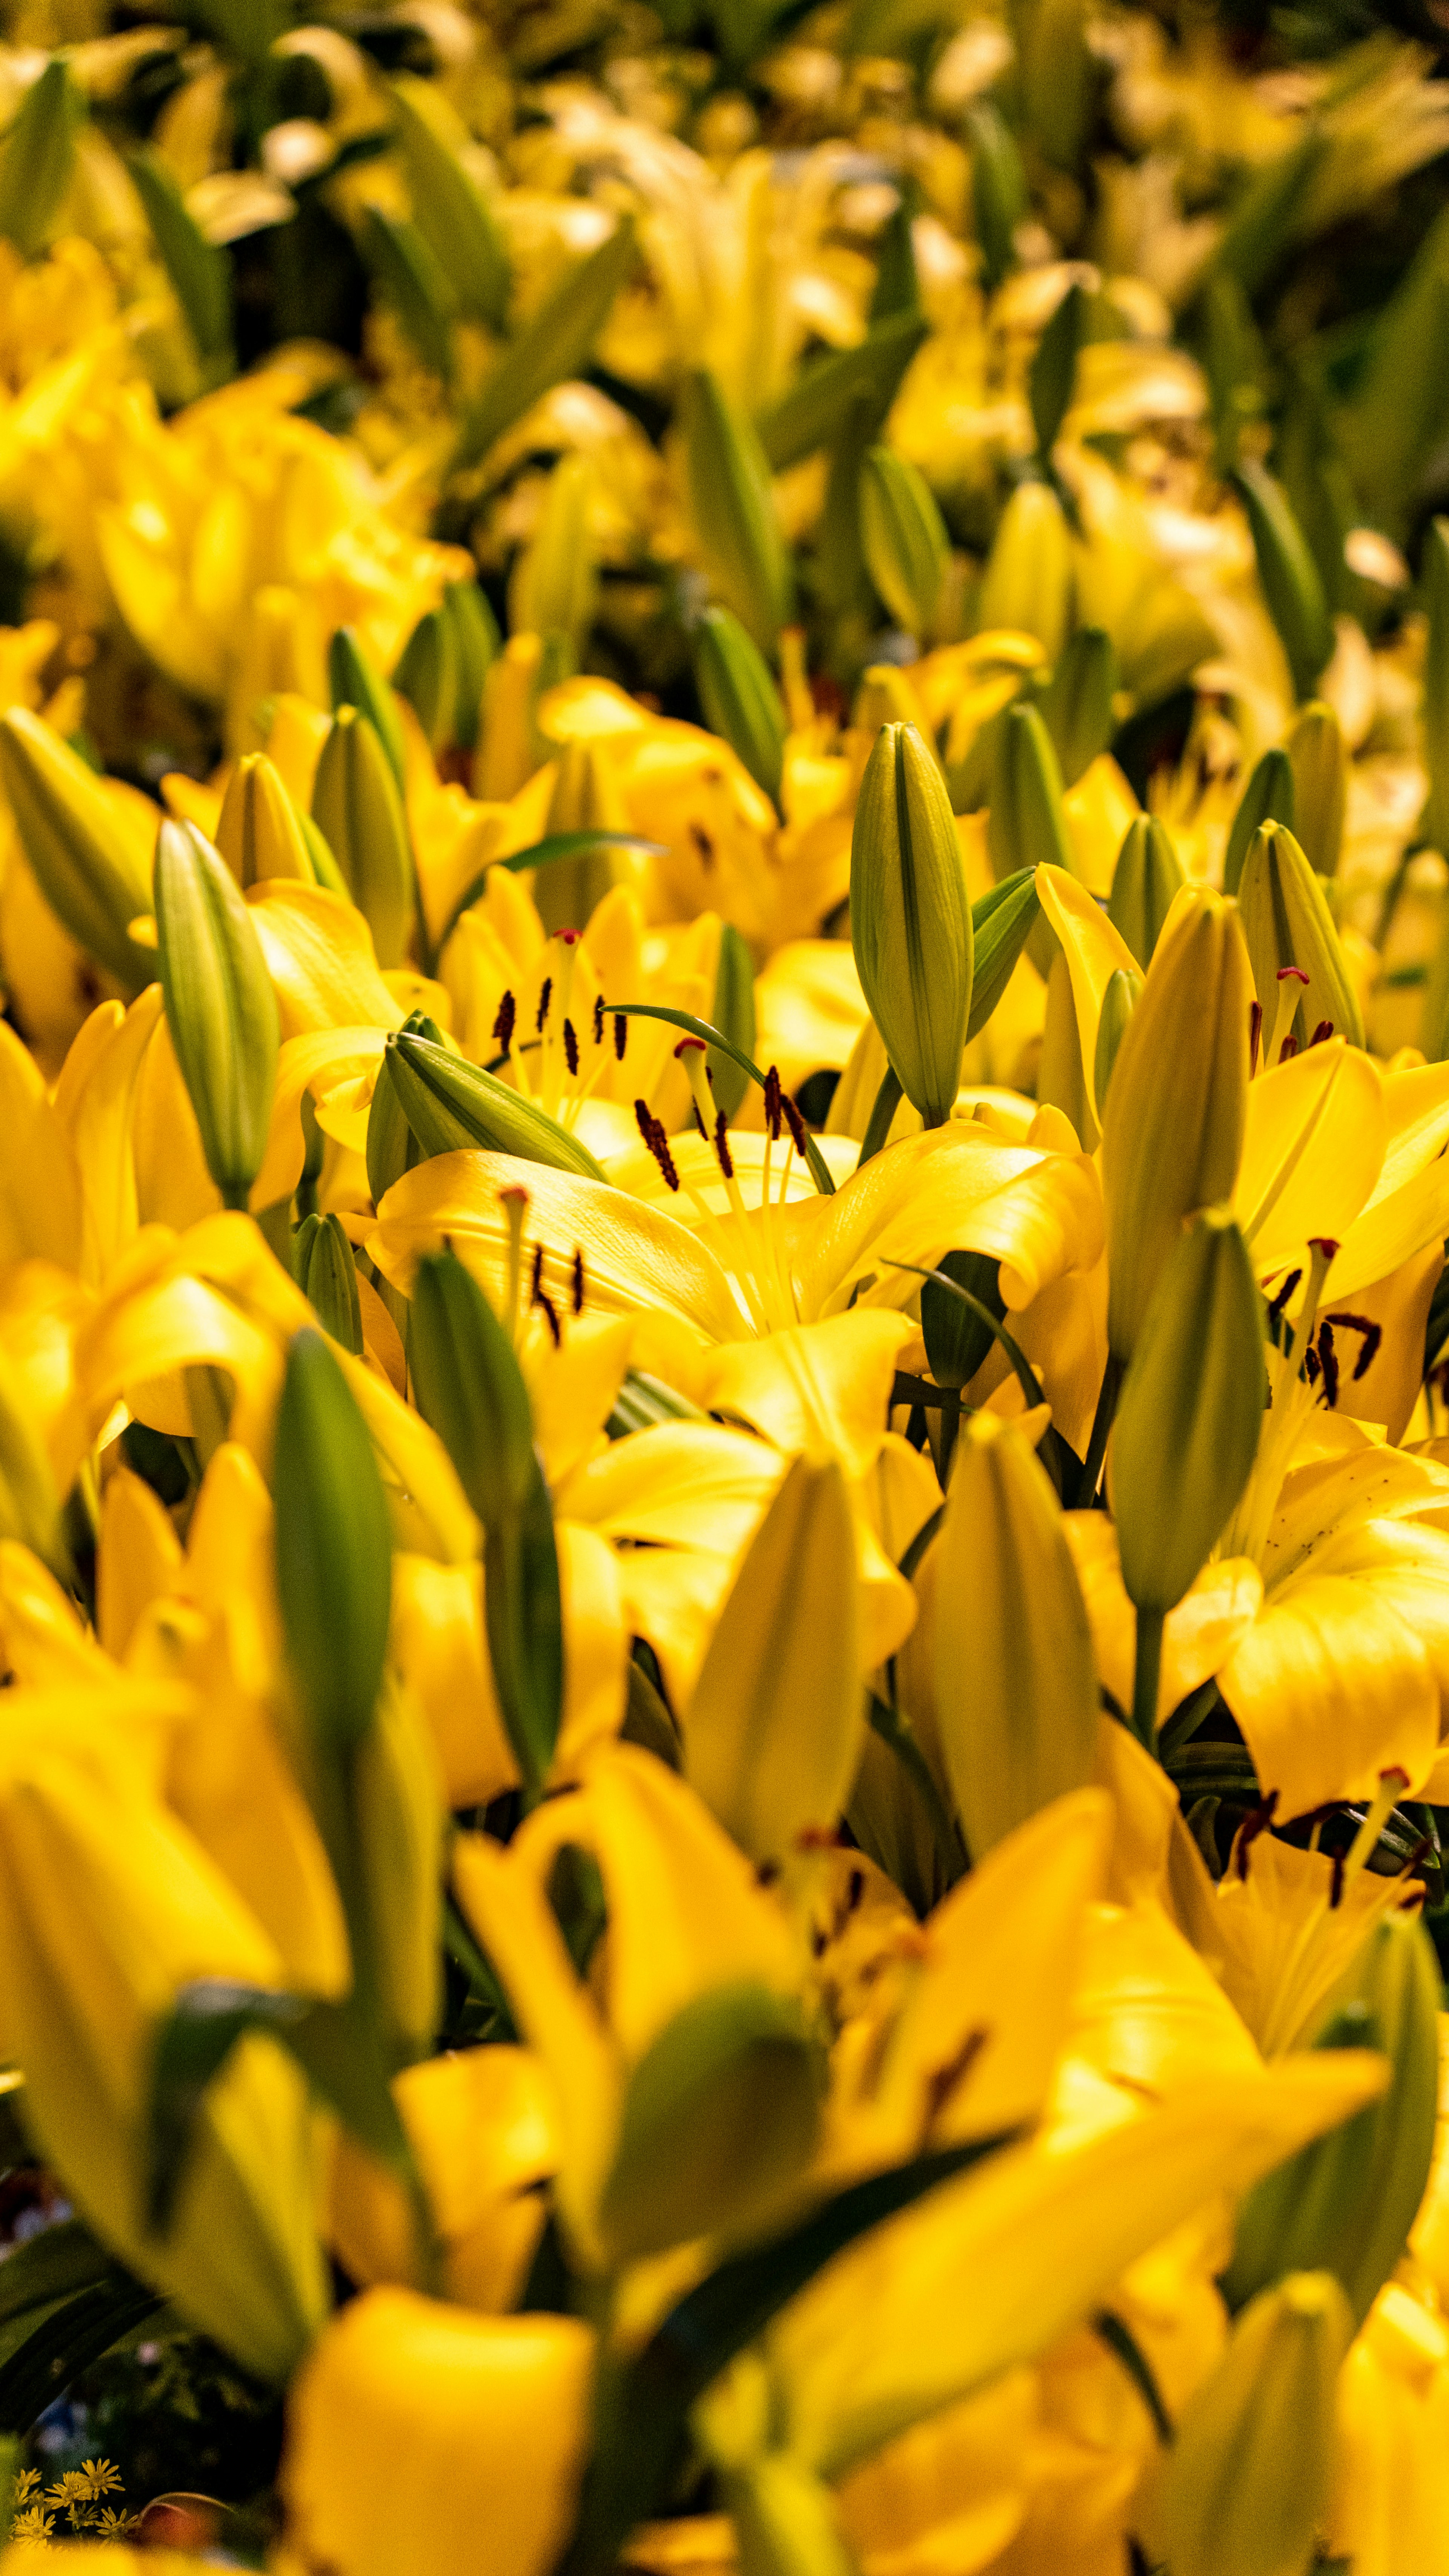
1393, 2414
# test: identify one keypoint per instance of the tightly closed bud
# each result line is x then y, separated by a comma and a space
1318, 756
733, 1014
357, 809
260, 833
910, 922
555, 583
451, 1105
1289, 575
476, 646
740, 700
392, 1148
469, 1386
787, 1639
1246, 2484
355, 681
1120, 998
327, 1275
39, 157
333, 1549
1346, 2203
585, 799
1190, 1412
1269, 797
1016, 1683
220, 1005
999, 194
453, 214
1027, 824
1077, 705
1028, 582
1147, 876
956, 1340
903, 537
733, 511
1434, 821
82, 861
1172, 1124
427, 676
1286, 922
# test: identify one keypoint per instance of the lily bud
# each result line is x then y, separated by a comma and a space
1028, 582
259, 832
903, 537
910, 921
1269, 797
451, 1105
333, 1549
740, 700
956, 1340
1147, 876
1318, 756
787, 1639
355, 681
392, 1148
1190, 1412
1286, 922
555, 583
732, 1012
476, 647
1247, 2480
1016, 1682
1290, 577
1119, 1000
585, 799
329, 1282
82, 862
1027, 824
221, 1008
1172, 1123
1346, 2203
1077, 704
732, 509
357, 809
427, 676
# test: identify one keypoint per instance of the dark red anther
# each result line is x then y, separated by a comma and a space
721, 1146
1310, 1365
542, 1298
598, 1019
1323, 1030
621, 1035
578, 1281
1285, 1292
795, 1123
1255, 1035
536, 1288
503, 1026
773, 1112
1288, 1049
545, 997
571, 1046
1329, 1359
652, 1131
1370, 1336
1256, 1822
1335, 1893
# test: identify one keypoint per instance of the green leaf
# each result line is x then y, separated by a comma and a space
556, 344
1054, 368
66, 2341
1001, 924
734, 1013
200, 273
409, 278
713, 1037
38, 157
449, 211
825, 395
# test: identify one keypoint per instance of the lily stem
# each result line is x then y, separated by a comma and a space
1145, 1676
1101, 1425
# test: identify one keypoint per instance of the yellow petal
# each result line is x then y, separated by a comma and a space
320, 957
956, 1186
1331, 1688
1312, 1151
1094, 952
816, 1387
40, 1214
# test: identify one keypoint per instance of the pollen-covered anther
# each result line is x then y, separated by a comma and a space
545, 997
505, 1023
539, 1296
1256, 1822
1323, 1030
598, 1019
571, 1046
652, 1131
773, 1110
621, 1036
1255, 1036
1288, 1049
578, 1280
722, 1146
1370, 1337
795, 1123
1328, 1361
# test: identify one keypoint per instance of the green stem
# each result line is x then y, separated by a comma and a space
1091, 1475
895, 1729
1146, 1675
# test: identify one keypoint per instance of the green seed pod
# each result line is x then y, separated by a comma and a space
956, 1340
451, 1104
81, 861
1028, 582
732, 510
39, 157
740, 700
1269, 797
1076, 706
1318, 756
260, 833
1289, 575
355, 681
1345, 2203
733, 1014
220, 1005
1147, 876
333, 1549
1119, 1001
358, 811
1190, 1412
330, 1284
476, 646
910, 921
1246, 2483
427, 676
1286, 922
903, 536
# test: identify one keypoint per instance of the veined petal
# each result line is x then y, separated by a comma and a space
1313, 1149
813, 1387
320, 957
958, 1186
1219, 1607
1094, 952
1331, 1688
1147, 2012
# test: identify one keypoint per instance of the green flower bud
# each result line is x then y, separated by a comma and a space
259, 832
910, 922
1027, 823
333, 1549
1269, 797
1190, 1412
555, 585
1345, 2203
39, 157
956, 1340
733, 1014
585, 799
1076, 706
1172, 1123
427, 676
81, 860
329, 1282
1147, 876
1289, 575
1286, 922
358, 811
740, 700
220, 1005
476, 646
1318, 756
733, 511
355, 681
392, 1148
1119, 1000
1028, 582
451, 1105
903, 536
1016, 1681
1246, 2483
999, 196
469, 1386
1434, 821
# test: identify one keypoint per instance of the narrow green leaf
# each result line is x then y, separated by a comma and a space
812, 413
410, 279
1001, 924
200, 273
38, 158
448, 209
556, 344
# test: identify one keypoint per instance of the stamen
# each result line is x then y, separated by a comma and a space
1255, 1032
721, 1146
1275, 1311
542, 1298
621, 1035
1288, 1049
652, 1131
773, 1112
1256, 1822
505, 1023
598, 1019
537, 1282
1291, 981
795, 1123
571, 1047
1335, 1893
578, 1280
1329, 1358
545, 996
1323, 1030
1310, 1365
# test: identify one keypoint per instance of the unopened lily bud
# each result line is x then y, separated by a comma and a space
1434, 821
999, 193
1119, 1000
427, 676
260, 833
1027, 824
555, 583
39, 157
738, 695
1346, 2203
910, 921
1246, 2483
83, 863
1190, 1412
733, 1014
357, 809
1291, 583
476, 647
1147, 876
1287, 923
1269, 797
1318, 756
329, 1282
585, 798
1028, 582
957, 1341
1016, 1682
392, 1148
1077, 704
221, 1008
903, 537
355, 681
732, 509
333, 1550
787, 1639
1172, 1124
451, 1105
